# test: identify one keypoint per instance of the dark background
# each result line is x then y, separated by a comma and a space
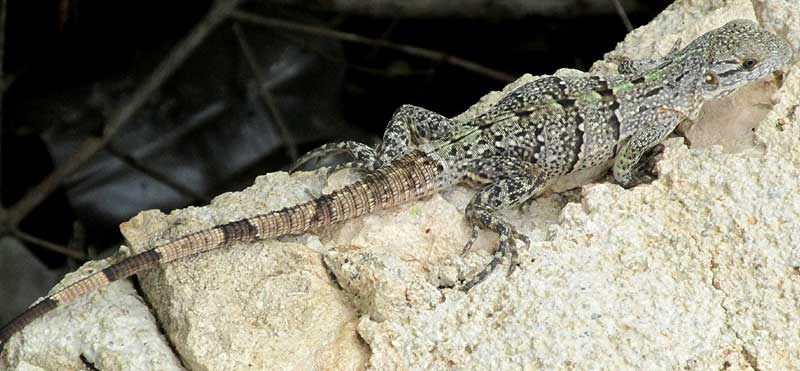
222, 119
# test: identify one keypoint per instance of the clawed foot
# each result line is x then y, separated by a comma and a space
645, 172
471, 240
505, 247
647, 167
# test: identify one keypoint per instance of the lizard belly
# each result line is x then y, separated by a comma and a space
580, 177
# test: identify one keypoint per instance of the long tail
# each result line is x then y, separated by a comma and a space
407, 178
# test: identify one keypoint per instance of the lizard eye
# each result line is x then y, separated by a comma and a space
749, 63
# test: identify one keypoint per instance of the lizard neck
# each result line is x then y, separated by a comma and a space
673, 85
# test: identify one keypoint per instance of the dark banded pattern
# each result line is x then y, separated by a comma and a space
578, 149
239, 231
131, 265
607, 95
612, 104
614, 124
18, 323
407, 178
653, 92
730, 72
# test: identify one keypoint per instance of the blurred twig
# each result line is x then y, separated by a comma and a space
47, 244
218, 12
383, 72
384, 36
265, 94
351, 37
622, 15
133, 163
78, 240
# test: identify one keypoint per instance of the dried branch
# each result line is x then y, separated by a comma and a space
78, 240
385, 72
218, 12
384, 37
266, 96
47, 244
622, 15
351, 37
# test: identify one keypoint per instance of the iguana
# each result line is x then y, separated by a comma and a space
538, 133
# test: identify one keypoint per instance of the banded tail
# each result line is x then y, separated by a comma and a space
408, 178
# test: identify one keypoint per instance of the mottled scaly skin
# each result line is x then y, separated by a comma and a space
543, 130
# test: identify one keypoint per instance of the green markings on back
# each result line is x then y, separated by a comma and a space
622, 87
654, 76
590, 98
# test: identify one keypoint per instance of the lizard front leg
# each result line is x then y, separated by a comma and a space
513, 181
642, 141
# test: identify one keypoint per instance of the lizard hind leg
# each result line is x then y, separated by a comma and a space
364, 157
411, 125
518, 182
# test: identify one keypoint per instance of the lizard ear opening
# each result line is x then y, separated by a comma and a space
711, 80
713, 87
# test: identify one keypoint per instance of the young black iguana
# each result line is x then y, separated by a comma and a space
540, 132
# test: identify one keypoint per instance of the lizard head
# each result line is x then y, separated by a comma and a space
737, 53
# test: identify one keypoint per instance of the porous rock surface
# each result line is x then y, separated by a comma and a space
699, 270
111, 329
